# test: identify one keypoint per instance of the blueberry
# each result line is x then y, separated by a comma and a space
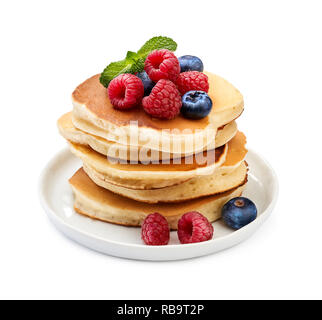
239, 212
190, 63
147, 83
196, 104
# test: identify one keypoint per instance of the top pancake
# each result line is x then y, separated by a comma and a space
92, 106
92, 94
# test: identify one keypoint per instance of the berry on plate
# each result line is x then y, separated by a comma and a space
125, 91
192, 80
194, 227
155, 230
147, 83
190, 63
196, 104
239, 212
162, 64
164, 101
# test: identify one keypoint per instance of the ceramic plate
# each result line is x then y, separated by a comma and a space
57, 200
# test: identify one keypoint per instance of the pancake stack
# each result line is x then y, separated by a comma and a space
134, 165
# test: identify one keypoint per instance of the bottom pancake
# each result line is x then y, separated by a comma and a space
99, 203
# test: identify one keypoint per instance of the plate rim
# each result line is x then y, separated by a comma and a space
235, 234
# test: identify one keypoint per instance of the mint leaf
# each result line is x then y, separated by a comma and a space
113, 70
131, 64
131, 55
157, 43
134, 62
137, 66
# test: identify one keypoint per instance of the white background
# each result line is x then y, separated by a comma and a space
270, 50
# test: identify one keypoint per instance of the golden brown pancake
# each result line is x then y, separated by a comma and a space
93, 113
141, 176
216, 183
236, 150
105, 147
226, 177
154, 176
99, 203
92, 94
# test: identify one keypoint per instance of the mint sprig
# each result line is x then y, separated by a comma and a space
157, 43
134, 61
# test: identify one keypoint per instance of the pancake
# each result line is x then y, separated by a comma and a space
224, 159
228, 102
153, 175
93, 113
105, 147
236, 153
191, 189
99, 203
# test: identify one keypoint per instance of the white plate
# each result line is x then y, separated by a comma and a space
57, 199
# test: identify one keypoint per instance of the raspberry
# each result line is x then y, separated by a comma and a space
155, 230
162, 64
164, 101
194, 227
125, 91
192, 80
